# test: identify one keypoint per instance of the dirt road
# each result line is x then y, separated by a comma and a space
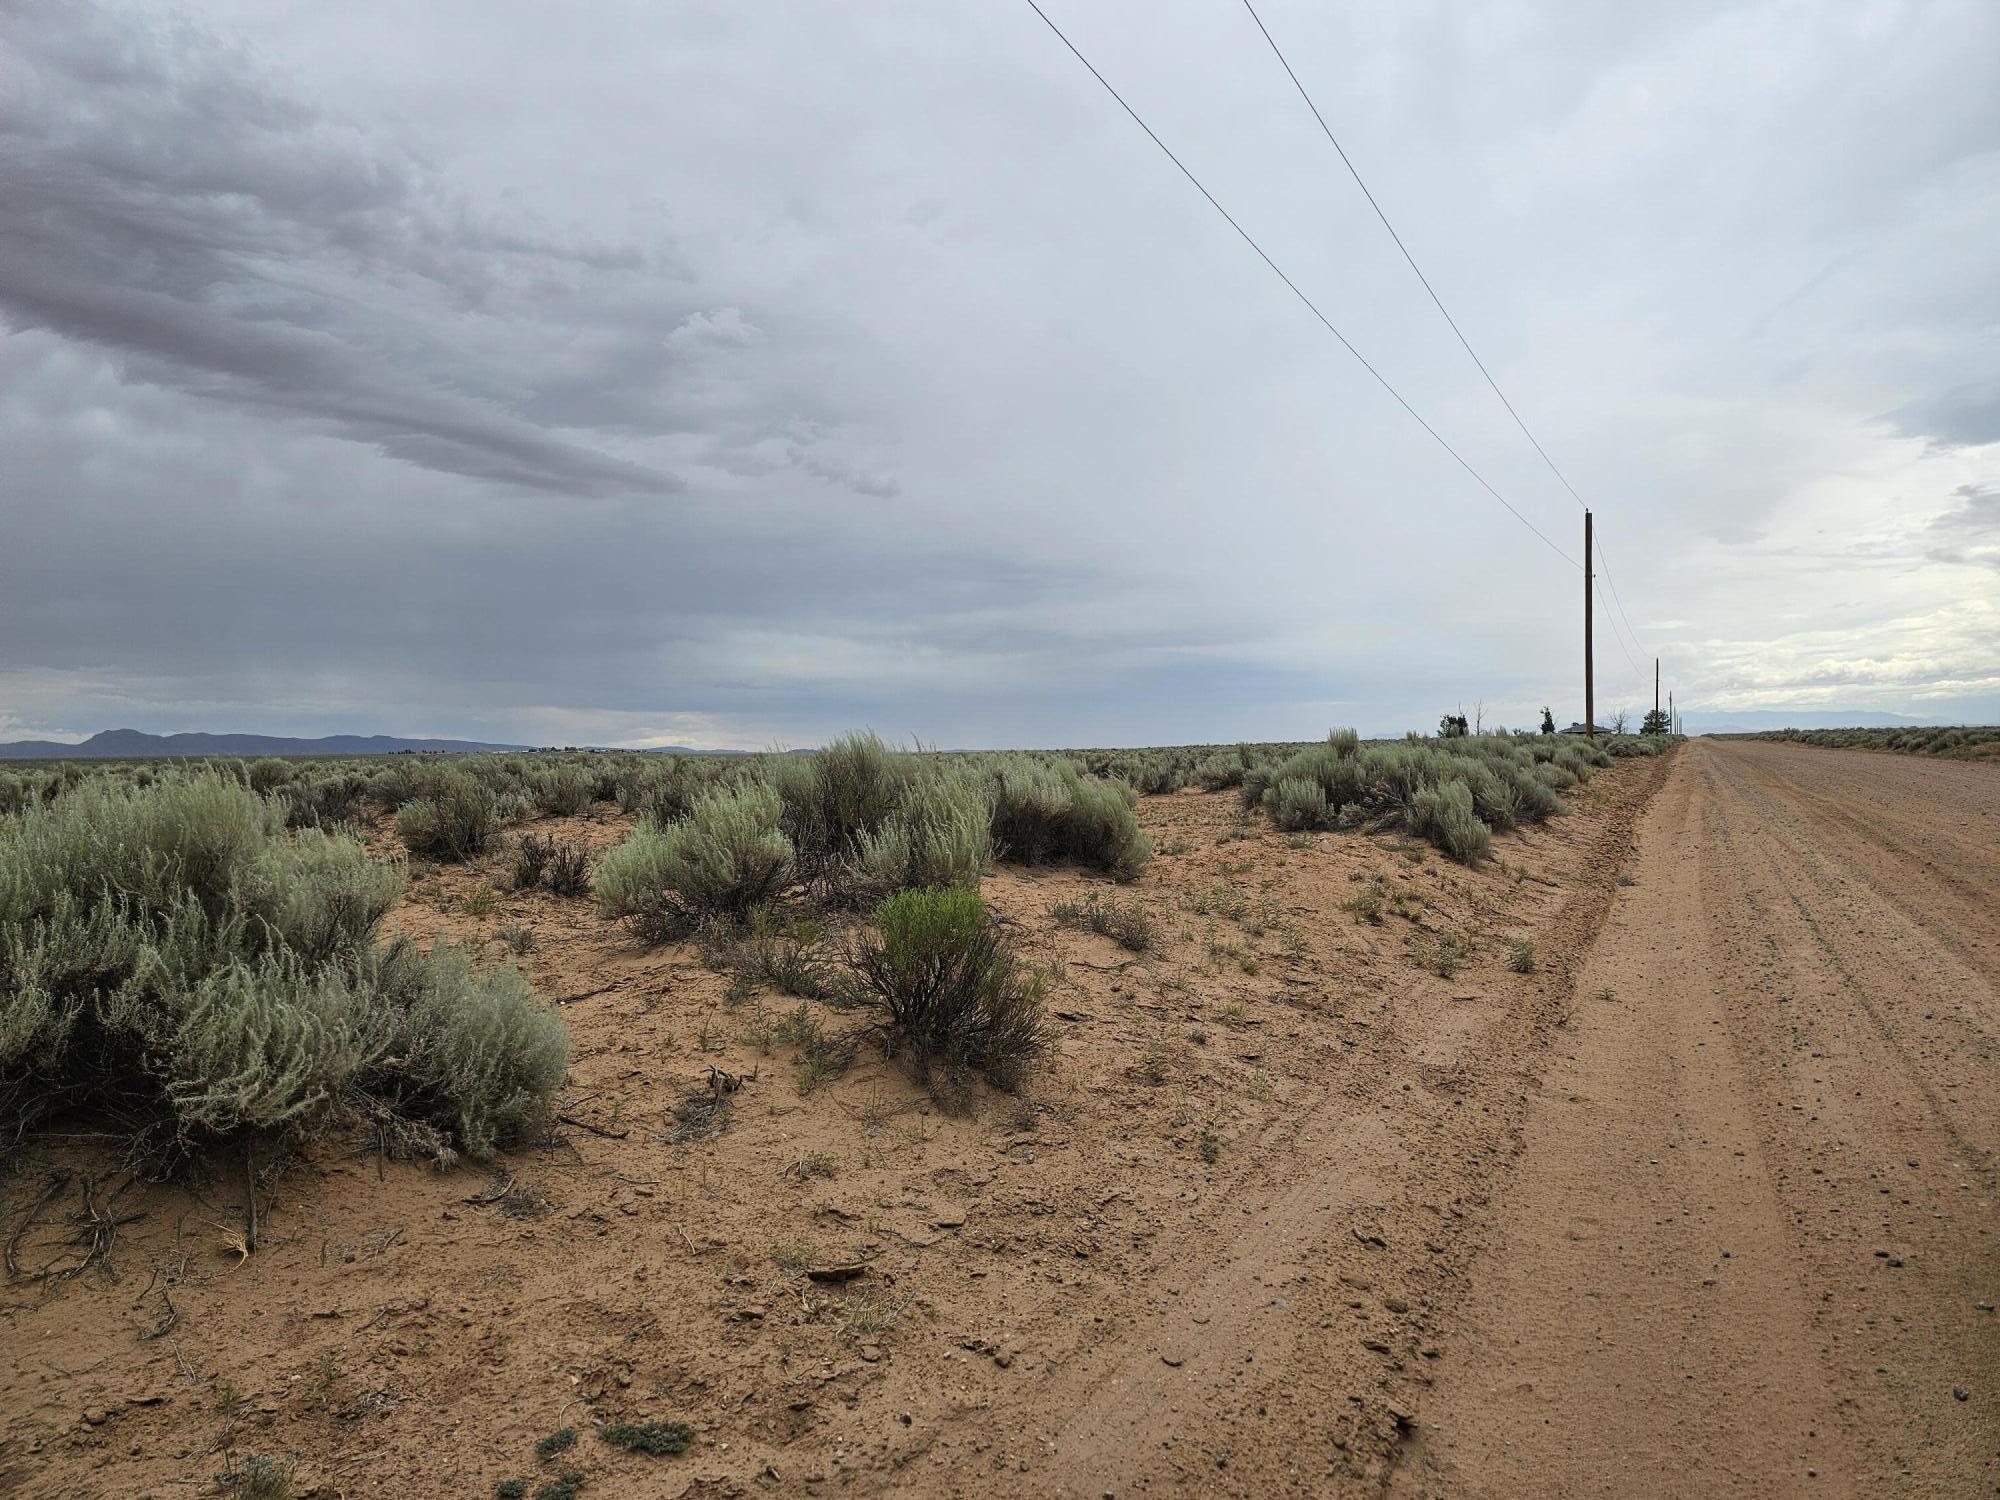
1750, 1248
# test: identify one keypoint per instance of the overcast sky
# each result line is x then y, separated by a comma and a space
734, 375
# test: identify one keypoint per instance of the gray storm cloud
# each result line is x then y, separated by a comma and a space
620, 375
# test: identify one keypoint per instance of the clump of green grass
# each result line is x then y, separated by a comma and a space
1447, 956
959, 1003
1521, 956
477, 901
559, 1441
790, 959
791, 1256
1366, 906
812, 1164
258, 1477
659, 1439
834, 800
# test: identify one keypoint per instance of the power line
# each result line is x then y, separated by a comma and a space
1606, 566
1620, 639
1436, 300
1311, 306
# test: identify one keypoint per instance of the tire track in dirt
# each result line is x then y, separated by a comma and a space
1750, 1250
1287, 1351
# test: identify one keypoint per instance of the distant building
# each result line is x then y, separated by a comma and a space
1579, 729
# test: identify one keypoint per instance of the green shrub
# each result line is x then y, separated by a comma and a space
168, 953
942, 834
1444, 815
1222, 770
958, 1001
727, 856
454, 818
322, 801
1503, 781
1956, 742
561, 791
1047, 813
1298, 805
475, 1049
661, 1439
791, 961
838, 796
662, 790
267, 775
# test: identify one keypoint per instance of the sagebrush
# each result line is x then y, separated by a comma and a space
171, 956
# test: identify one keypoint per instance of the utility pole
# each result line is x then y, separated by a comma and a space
1656, 684
1589, 673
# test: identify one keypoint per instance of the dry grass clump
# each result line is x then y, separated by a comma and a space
1126, 923
544, 862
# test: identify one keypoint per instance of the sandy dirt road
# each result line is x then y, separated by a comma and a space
1750, 1248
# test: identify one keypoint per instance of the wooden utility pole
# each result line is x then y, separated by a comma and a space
1589, 673
1656, 684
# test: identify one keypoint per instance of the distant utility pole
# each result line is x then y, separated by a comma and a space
1656, 684
1589, 673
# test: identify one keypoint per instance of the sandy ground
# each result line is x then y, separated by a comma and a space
1290, 1213
1750, 1249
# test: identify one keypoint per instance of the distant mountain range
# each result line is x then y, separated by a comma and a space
134, 744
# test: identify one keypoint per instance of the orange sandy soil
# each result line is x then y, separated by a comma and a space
1209, 1251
